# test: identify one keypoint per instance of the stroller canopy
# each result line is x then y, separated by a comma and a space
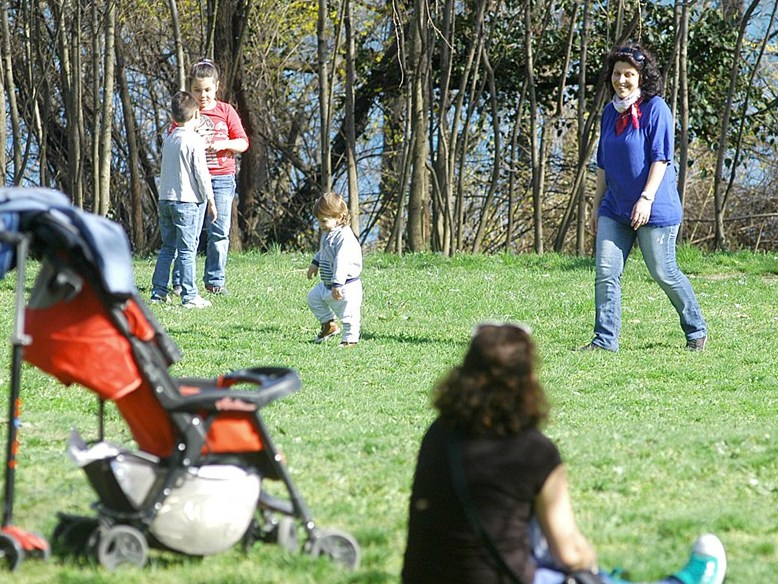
102, 242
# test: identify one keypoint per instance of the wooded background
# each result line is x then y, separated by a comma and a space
449, 126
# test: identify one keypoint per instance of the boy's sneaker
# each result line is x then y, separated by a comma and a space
696, 344
157, 299
216, 289
328, 330
197, 302
707, 564
177, 290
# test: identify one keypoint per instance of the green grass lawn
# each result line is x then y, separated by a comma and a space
661, 444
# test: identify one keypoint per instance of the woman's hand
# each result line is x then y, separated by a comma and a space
641, 213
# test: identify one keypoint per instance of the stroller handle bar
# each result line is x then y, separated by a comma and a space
271, 383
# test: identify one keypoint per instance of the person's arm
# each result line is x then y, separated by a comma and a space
599, 193
641, 211
203, 178
554, 512
237, 145
236, 141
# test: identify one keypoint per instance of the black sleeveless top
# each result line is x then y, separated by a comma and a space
504, 475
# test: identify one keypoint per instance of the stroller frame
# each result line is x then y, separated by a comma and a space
196, 410
15, 542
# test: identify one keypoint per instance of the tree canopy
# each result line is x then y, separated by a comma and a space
451, 126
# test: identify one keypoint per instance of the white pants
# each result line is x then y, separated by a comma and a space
348, 310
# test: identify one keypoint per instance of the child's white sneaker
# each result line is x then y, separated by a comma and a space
707, 564
197, 302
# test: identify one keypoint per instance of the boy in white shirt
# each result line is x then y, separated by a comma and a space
184, 192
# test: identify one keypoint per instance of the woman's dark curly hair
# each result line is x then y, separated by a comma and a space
495, 391
644, 61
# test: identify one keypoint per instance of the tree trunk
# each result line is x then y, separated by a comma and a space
418, 201
750, 84
324, 99
580, 224
442, 218
351, 139
683, 107
720, 238
180, 65
71, 86
106, 127
529, 71
486, 212
10, 89
138, 229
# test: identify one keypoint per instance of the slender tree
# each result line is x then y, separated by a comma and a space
720, 238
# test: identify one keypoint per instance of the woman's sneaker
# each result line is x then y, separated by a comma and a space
696, 345
707, 564
197, 302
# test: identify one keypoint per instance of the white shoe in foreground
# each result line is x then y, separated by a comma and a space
707, 564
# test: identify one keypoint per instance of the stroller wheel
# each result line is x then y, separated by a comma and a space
338, 546
71, 534
287, 534
121, 545
11, 552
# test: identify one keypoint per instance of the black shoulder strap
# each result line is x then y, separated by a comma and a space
460, 486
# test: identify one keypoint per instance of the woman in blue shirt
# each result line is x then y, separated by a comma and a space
637, 198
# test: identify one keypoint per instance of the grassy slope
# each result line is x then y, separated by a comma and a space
660, 444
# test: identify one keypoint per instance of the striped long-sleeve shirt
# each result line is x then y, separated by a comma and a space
339, 257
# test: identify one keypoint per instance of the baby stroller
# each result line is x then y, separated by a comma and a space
194, 486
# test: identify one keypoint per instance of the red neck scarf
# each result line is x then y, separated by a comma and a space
631, 113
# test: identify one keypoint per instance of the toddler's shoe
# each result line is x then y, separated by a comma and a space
197, 302
707, 564
328, 330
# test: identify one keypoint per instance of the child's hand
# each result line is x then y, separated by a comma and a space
337, 293
212, 213
216, 146
313, 269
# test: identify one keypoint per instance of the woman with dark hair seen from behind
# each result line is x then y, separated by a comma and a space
636, 197
490, 491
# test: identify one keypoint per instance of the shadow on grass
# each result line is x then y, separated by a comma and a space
409, 338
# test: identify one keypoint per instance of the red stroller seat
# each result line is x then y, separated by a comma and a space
198, 439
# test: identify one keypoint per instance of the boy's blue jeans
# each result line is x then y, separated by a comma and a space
179, 225
219, 231
614, 243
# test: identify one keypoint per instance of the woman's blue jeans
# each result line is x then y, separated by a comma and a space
614, 243
549, 572
219, 231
